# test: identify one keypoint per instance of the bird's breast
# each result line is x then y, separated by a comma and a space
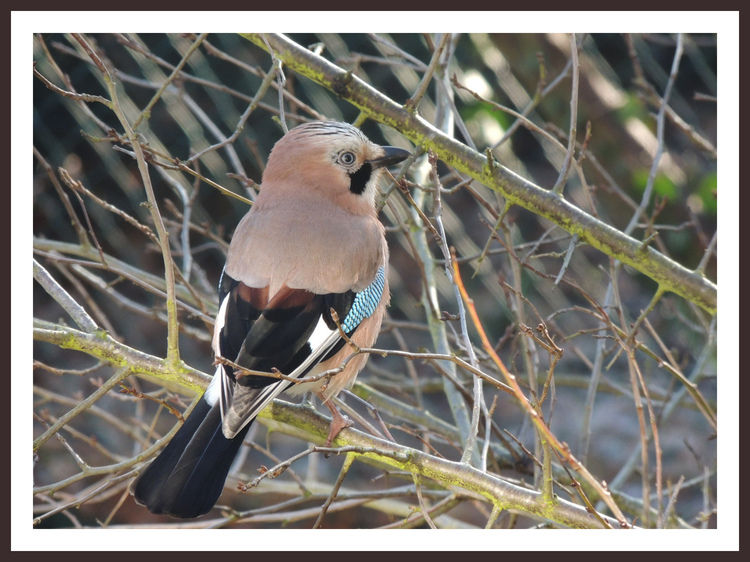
320, 250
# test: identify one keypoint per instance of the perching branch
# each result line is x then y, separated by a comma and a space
670, 275
452, 474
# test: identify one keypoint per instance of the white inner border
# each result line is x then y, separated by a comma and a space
24, 24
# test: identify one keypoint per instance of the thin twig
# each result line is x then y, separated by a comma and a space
512, 381
412, 104
173, 351
563, 177
146, 112
61, 296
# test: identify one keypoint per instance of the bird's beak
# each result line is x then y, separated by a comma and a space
391, 155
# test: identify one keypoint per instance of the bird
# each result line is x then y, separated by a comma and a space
306, 274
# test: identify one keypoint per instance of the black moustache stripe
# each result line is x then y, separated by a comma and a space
359, 179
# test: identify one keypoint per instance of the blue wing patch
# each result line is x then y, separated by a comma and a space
365, 302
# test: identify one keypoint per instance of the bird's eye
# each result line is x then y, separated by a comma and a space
347, 158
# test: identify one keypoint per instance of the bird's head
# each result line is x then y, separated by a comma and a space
334, 157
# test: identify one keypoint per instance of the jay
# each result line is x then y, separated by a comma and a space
310, 244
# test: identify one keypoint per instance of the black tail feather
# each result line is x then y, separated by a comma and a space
187, 477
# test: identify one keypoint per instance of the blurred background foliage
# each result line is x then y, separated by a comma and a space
622, 79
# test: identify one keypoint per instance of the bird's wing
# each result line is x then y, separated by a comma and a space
292, 332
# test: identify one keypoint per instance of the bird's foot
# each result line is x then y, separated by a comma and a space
338, 422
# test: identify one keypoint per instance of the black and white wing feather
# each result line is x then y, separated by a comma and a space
292, 332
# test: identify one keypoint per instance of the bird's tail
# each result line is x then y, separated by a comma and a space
187, 477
